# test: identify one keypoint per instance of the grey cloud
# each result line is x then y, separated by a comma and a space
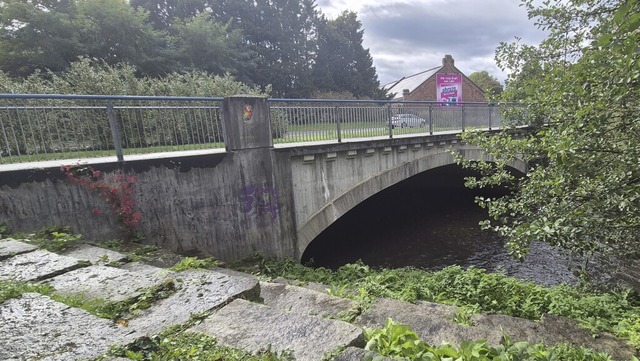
405, 38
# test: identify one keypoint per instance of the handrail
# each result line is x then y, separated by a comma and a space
35, 127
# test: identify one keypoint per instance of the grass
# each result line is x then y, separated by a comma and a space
616, 311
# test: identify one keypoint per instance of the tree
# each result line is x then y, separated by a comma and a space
36, 35
164, 13
281, 34
487, 82
343, 64
115, 32
582, 191
39, 35
201, 43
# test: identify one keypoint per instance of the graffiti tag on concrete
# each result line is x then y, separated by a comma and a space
260, 200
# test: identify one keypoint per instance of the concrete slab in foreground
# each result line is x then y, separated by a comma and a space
35, 266
198, 291
252, 327
304, 300
10, 247
109, 283
34, 327
96, 255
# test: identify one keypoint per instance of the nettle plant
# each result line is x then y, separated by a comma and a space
116, 190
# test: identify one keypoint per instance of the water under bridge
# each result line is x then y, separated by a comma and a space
266, 175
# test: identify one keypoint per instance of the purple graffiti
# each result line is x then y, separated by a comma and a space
260, 200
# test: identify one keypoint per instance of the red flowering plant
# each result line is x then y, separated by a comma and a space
117, 192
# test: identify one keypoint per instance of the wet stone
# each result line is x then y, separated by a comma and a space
34, 327
109, 283
253, 327
36, 265
198, 291
10, 247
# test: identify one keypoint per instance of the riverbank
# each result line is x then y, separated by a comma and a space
231, 309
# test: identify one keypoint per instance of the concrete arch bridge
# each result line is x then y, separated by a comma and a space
250, 197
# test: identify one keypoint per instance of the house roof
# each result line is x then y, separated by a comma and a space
409, 82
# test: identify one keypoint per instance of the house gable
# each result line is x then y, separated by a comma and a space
422, 86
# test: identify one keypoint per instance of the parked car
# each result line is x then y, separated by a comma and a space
407, 120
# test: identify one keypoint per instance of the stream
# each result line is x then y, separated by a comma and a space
430, 221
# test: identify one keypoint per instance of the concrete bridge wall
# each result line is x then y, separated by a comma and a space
251, 198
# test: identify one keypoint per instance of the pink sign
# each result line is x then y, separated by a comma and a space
449, 88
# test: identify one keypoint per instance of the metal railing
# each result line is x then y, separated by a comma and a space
306, 120
45, 127
38, 127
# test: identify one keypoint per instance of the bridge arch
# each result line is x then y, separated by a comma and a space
362, 189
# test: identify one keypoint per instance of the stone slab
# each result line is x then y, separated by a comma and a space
10, 247
198, 291
36, 265
34, 327
109, 283
96, 255
252, 327
304, 300
433, 324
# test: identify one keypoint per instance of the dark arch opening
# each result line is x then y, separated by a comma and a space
429, 221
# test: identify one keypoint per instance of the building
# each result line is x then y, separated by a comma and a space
443, 84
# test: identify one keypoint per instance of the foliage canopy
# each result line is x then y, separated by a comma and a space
580, 87
285, 45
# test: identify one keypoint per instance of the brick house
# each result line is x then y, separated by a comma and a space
432, 84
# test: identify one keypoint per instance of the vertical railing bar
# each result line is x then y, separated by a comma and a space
130, 125
338, 120
389, 126
115, 132
45, 117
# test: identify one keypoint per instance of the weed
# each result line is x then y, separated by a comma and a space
475, 290
195, 263
400, 342
191, 346
13, 289
54, 239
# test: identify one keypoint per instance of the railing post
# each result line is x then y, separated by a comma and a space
490, 111
463, 117
115, 131
338, 124
430, 119
389, 126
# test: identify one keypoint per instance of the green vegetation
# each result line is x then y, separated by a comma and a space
305, 54
54, 239
13, 289
487, 82
399, 342
582, 190
474, 289
118, 311
176, 344
195, 263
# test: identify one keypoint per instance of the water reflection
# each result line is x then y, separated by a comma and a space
429, 221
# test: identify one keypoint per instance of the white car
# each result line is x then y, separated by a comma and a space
407, 120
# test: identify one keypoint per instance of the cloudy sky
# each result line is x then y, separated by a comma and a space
409, 36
